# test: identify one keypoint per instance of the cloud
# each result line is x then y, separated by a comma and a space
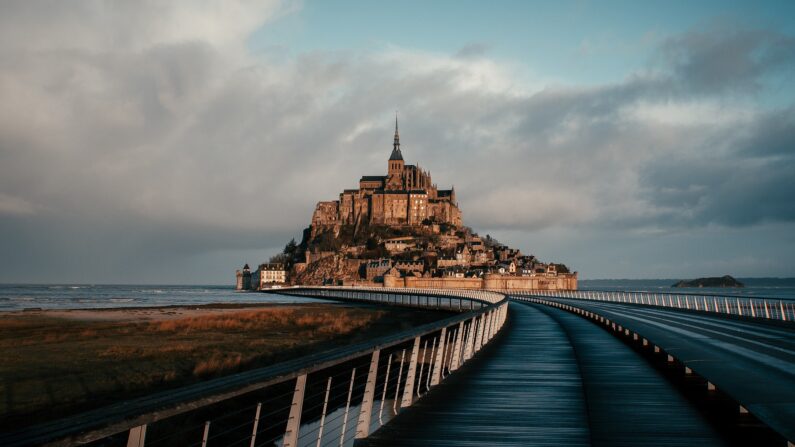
726, 58
472, 50
150, 129
15, 206
98, 26
772, 135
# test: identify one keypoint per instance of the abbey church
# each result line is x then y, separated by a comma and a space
406, 195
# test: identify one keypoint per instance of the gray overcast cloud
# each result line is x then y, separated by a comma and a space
147, 144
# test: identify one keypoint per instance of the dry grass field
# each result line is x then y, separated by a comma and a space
56, 363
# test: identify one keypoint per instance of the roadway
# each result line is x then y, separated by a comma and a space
552, 378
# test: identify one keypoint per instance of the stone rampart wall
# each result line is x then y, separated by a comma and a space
490, 282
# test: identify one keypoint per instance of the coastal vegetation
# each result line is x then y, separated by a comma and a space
61, 362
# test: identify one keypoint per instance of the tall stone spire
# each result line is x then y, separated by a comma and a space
397, 134
396, 155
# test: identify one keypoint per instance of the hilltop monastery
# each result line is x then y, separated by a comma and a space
406, 195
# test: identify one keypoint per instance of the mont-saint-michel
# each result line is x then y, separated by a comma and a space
579, 230
401, 230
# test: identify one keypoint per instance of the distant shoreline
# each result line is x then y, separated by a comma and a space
232, 286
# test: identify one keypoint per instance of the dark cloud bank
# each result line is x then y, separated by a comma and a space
172, 156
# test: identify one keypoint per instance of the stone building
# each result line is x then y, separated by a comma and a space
406, 195
375, 269
399, 244
406, 267
268, 275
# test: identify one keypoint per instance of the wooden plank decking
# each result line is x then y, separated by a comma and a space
552, 379
524, 389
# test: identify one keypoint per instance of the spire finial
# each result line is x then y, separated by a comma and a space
396, 155
397, 134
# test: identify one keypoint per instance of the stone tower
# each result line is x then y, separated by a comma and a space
243, 278
396, 163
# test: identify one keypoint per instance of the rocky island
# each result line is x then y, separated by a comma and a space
715, 282
401, 230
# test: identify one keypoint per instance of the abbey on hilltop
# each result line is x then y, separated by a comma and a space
406, 195
400, 230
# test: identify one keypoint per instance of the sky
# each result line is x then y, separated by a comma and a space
171, 142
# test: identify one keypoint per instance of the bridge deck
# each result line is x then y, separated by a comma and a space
754, 362
629, 402
531, 388
524, 389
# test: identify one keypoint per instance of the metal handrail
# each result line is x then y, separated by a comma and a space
759, 308
685, 291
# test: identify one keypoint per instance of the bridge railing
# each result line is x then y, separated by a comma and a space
767, 308
326, 398
446, 299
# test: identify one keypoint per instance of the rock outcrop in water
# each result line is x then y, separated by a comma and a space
715, 281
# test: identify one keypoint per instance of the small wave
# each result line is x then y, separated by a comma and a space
122, 300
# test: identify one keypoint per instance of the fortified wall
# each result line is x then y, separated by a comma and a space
562, 281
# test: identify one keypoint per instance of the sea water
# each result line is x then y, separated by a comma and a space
781, 288
89, 296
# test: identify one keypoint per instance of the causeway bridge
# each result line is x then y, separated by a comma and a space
538, 368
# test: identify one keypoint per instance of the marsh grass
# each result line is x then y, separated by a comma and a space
53, 367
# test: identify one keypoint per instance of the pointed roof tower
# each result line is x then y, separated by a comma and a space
396, 154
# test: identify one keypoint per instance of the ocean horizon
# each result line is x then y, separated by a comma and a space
16, 297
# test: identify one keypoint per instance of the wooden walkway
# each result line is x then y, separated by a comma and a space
551, 379
523, 389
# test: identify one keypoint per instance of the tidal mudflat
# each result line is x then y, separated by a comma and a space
59, 362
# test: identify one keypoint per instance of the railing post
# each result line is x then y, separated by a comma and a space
323, 414
206, 433
448, 355
479, 337
399, 377
408, 388
422, 366
489, 319
456, 359
294, 420
137, 436
489, 329
256, 425
365, 414
441, 356
347, 408
430, 366
470, 340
